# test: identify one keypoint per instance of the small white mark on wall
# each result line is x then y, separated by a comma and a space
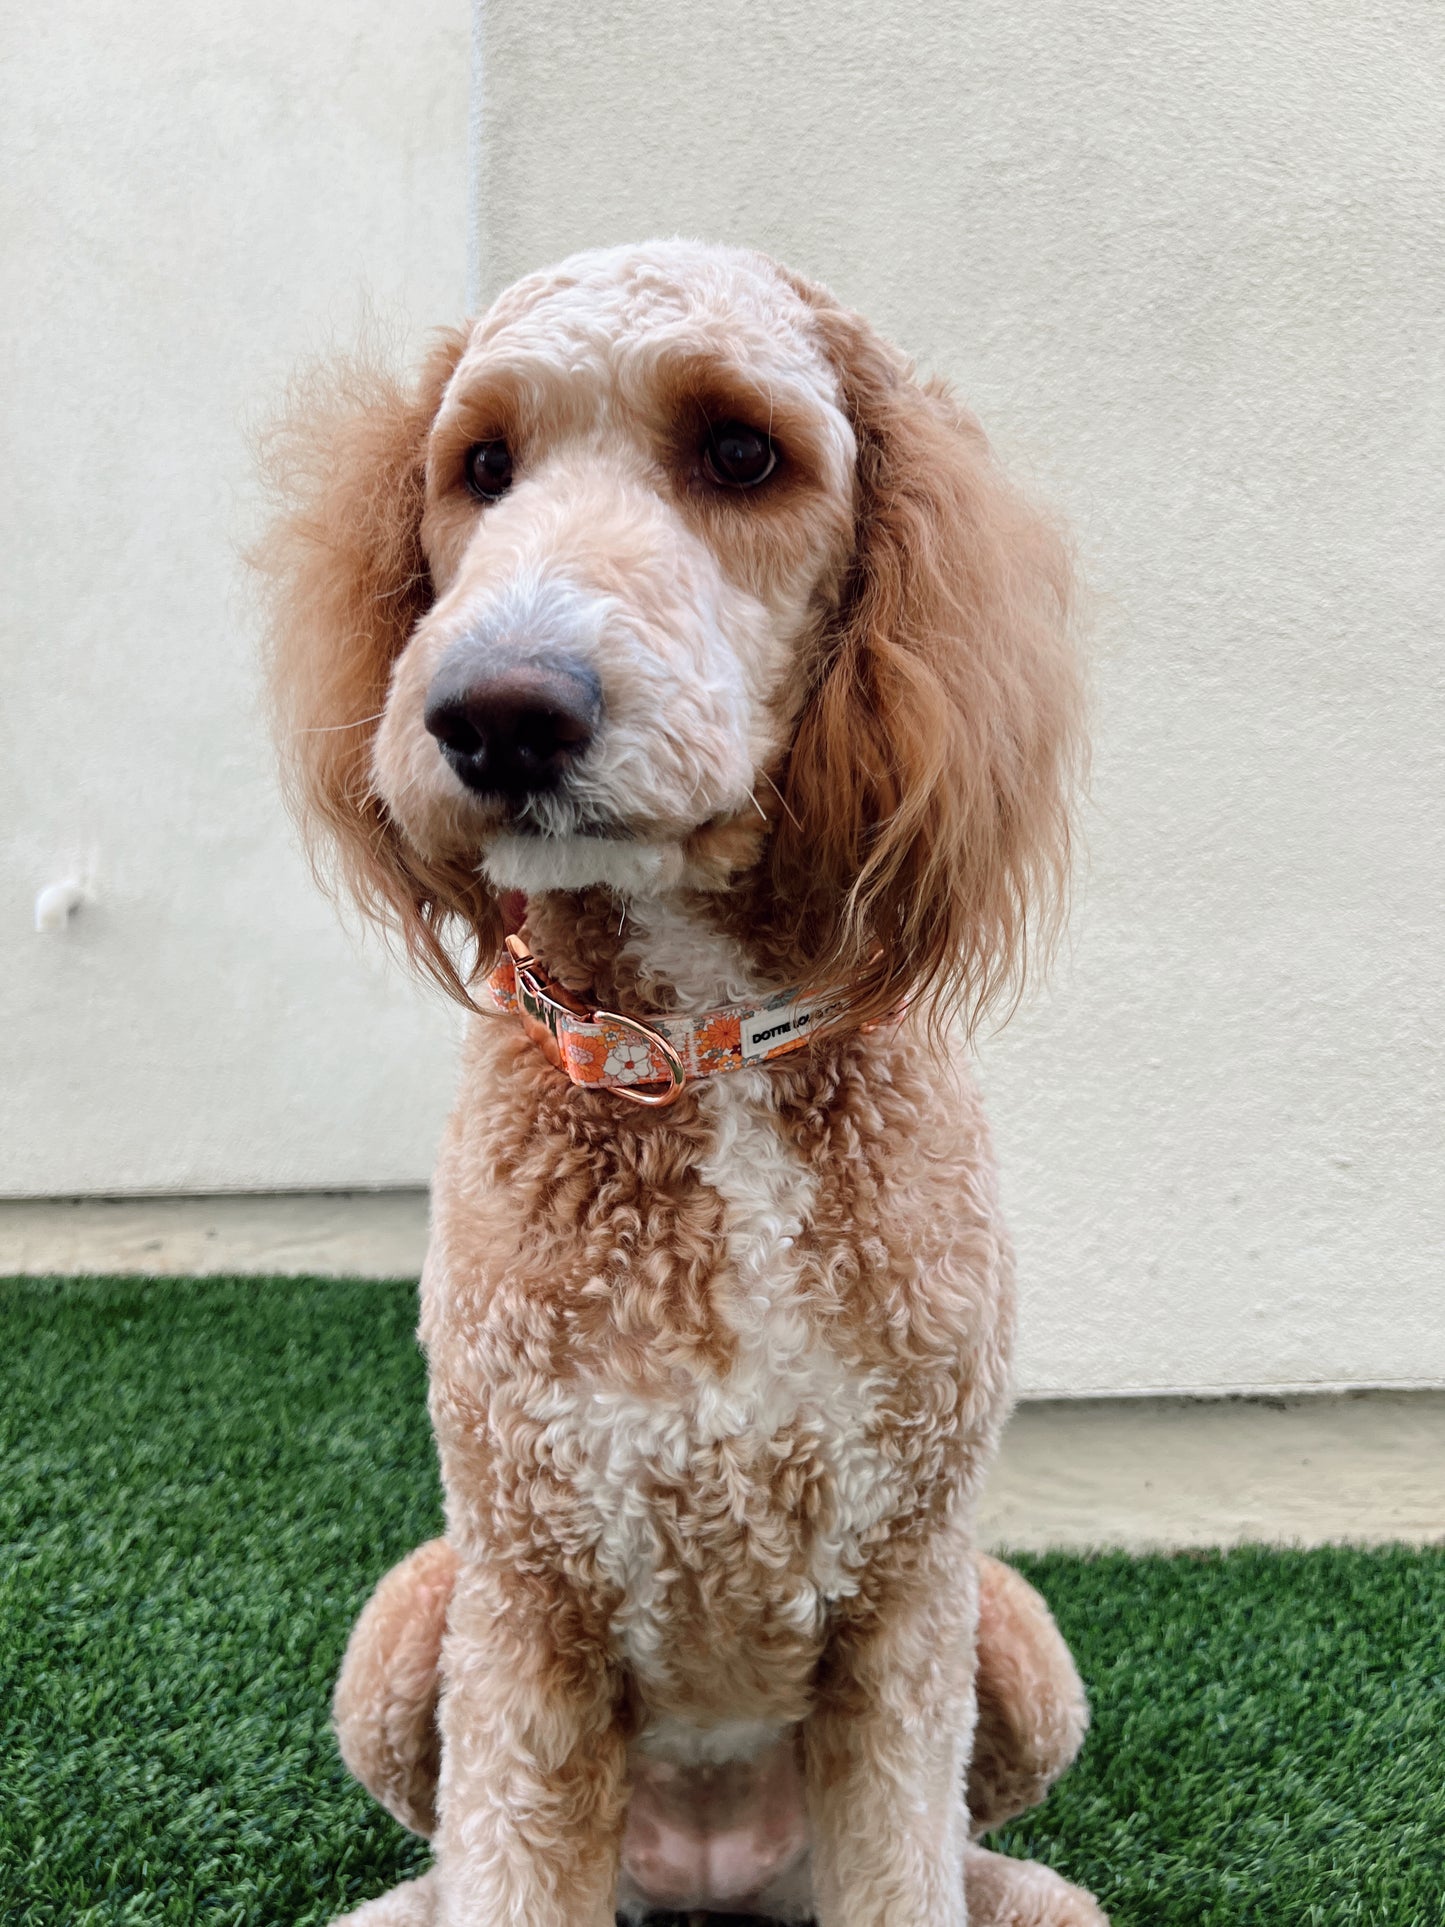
57, 903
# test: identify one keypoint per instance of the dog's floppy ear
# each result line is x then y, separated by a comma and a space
347, 582
926, 828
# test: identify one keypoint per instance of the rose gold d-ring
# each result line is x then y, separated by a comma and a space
676, 1069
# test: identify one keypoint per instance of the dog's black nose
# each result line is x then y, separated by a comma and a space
512, 727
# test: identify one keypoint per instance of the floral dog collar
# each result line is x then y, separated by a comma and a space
649, 1063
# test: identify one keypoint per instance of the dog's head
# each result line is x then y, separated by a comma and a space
666, 575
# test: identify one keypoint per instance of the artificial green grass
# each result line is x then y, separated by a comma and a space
200, 1482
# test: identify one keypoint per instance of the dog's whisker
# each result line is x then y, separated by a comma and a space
757, 805
324, 729
782, 799
412, 581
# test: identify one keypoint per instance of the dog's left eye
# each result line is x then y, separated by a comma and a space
738, 456
489, 469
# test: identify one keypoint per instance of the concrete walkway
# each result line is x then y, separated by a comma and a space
1158, 1472
342, 1234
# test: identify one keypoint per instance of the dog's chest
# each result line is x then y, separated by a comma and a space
727, 1505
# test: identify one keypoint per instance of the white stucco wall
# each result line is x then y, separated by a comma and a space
196, 199
1187, 263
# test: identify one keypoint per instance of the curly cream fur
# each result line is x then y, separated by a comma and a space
713, 1388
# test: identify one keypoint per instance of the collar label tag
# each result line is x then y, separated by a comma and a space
782, 1023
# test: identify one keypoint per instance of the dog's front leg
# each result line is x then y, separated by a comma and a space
531, 1795
886, 1749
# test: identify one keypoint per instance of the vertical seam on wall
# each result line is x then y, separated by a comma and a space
474, 156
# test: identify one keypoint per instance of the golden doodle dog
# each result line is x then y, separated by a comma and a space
683, 681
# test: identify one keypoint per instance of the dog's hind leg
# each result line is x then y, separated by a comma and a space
385, 1703
1021, 1893
1032, 1712
1032, 1717
412, 1904
386, 1706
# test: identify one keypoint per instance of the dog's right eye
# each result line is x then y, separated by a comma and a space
489, 470
737, 456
